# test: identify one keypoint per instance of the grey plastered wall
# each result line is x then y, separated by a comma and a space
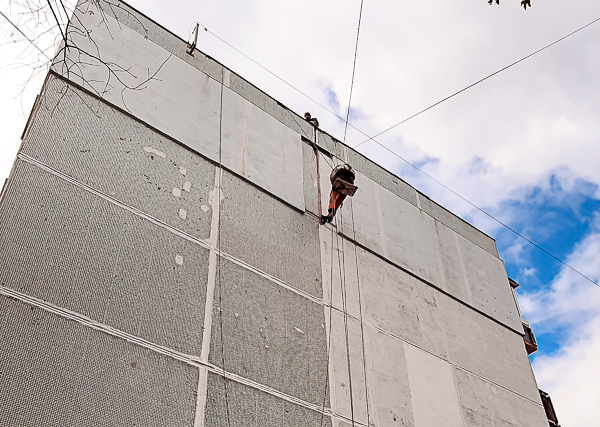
249, 408
410, 238
91, 224
412, 344
185, 103
55, 373
90, 246
76, 250
270, 334
265, 233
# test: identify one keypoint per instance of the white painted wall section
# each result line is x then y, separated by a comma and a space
393, 228
347, 390
486, 348
489, 285
339, 271
453, 273
400, 304
410, 238
387, 376
180, 101
434, 397
484, 404
262, 149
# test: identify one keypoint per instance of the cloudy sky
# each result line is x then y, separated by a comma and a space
523, 145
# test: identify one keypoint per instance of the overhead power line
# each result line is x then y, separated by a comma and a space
410, 164
282, 80
353, 69
417, 168
476, 83
488, 214
27, 38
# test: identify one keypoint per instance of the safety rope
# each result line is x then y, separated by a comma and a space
362, 331
342, 273
218, 196
342, 267
329, 336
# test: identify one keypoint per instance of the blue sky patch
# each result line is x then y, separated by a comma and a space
556, 219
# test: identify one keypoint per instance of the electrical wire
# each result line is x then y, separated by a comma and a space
353, 69
476, 83
282, 80
428, 108
488, 214
27, 38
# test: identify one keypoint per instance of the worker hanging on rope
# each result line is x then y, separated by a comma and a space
342, 185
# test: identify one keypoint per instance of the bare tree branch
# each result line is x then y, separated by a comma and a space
44, 24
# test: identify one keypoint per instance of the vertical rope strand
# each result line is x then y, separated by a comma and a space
329, 336
353, 70
362, 330
342, 267
219, 246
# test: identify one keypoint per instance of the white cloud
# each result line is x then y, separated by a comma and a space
571, 305
571, 376
570, 300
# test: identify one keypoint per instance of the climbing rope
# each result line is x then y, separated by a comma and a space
342, 267
218, 196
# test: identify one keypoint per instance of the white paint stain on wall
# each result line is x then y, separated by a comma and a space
187, 186
182, 170
211, 196
204, 208
155, 151
176, 192
178, 260
182, 213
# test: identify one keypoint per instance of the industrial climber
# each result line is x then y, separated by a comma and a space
342, 185
311, 120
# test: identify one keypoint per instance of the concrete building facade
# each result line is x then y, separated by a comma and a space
163, 263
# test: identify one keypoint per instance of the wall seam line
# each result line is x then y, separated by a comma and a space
404, 269
203, 243
206, 245
165, 351
214, 200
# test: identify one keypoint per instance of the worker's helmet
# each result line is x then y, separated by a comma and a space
343, 172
